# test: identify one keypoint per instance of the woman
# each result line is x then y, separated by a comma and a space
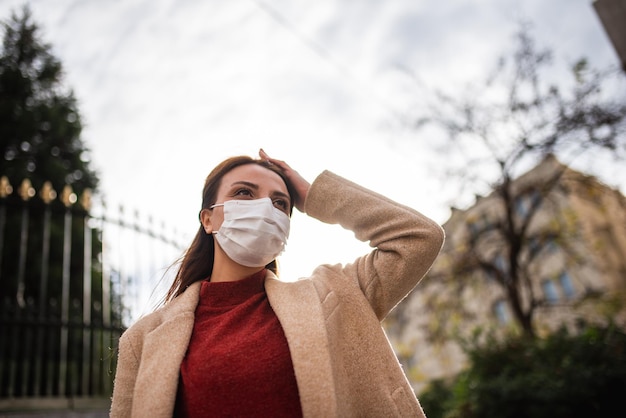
233, 340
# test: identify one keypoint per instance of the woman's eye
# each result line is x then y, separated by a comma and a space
243, 192
281, 204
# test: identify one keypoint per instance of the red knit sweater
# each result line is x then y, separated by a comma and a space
238, 362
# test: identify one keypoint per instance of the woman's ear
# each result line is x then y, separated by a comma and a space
205, 220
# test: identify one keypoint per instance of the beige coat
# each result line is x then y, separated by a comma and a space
343, 362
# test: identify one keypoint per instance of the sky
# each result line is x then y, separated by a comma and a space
169, 88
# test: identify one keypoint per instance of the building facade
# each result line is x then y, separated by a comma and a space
548, 249
612, 15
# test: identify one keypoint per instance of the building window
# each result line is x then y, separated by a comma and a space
479, 225
501, 311
538, 245
473, 227
521, 207
501, 264
534, 245
525, 202
551, 246
549, 291
567, 286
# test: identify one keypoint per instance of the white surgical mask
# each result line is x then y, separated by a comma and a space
254, 232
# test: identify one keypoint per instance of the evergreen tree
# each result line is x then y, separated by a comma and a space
40, 141
46, 301
40, 124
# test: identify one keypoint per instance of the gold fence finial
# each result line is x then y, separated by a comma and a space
5, 187
47, 193
85, 200
68, 197
26, 190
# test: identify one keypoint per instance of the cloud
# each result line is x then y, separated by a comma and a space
169, 88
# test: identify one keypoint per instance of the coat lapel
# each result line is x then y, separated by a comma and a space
163, 351
299, 311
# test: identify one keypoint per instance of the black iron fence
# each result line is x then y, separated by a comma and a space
72, 277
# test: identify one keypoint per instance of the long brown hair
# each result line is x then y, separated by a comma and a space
197, 262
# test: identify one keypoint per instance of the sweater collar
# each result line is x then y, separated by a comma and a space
232, 293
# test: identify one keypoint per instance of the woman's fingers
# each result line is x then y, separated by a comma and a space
281, 164
299, 183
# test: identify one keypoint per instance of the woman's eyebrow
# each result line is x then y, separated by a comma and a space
281, 194
245, 183
256, 187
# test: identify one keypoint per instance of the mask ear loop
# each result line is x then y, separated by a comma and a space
200, 216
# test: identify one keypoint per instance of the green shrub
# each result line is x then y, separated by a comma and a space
562, 375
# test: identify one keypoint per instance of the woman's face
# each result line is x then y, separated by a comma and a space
246, 182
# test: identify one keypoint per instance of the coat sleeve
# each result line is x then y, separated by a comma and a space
405, 243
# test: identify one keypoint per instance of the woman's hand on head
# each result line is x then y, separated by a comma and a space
299, 183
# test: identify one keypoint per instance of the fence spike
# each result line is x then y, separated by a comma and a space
68, 197
5, 187
47, 193
85, 200
26, 190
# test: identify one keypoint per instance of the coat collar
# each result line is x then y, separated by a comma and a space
299, 311
166, 345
